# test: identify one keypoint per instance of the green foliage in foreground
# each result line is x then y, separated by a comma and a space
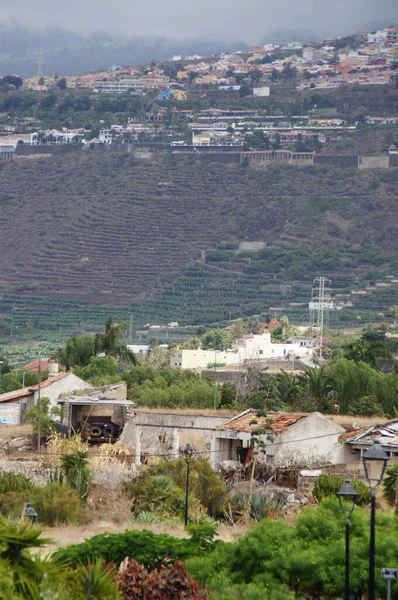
150, 549
279, 561
390, 491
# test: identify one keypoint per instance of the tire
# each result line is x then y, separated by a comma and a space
95, 431
109, 430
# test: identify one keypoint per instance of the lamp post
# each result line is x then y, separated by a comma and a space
188, 451
215, 381
29, 513
374, 461
347, 492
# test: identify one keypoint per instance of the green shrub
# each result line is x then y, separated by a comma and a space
329, 485
157, 494
363, 491
14, 482
150, 549
57, 504
12, 503
390, 483
204, 484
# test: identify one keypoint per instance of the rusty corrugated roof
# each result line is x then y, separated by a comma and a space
249, 421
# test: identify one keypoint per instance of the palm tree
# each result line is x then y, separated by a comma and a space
284, 321
112, 341
320, 385
287, 386
16, 539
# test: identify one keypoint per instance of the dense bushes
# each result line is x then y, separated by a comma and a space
277, 561
204, 485
56, 504
169, 388
150, 549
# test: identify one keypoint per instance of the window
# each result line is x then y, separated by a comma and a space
270, 459
261, 351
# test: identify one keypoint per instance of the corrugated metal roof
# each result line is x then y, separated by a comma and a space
248, 422
90, 401
386, 433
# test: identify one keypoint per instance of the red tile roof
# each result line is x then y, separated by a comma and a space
248, 422
49, 381
15, 395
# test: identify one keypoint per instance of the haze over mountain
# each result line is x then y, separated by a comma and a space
77, 37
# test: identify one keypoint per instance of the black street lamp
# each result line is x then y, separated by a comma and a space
345, 493
374, 461
188, 451
29, 513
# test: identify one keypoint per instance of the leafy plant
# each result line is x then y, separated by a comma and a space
96, 581
328, 485
167, 583
14, 482
41, 416
390, 483
15, 541
57, 504
77, 474
204, 485
150, 549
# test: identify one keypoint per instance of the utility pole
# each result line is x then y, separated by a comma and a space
320, 304
38, 405
131, 328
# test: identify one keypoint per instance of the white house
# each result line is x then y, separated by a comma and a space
262, 91
294, 437
54, 387
13, 405
248, 347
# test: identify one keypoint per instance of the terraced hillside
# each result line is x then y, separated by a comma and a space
104, 228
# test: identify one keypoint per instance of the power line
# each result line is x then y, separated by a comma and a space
172, 454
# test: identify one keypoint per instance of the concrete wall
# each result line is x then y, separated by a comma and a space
158, 433
373, 162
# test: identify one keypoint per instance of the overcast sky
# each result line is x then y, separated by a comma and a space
250, 20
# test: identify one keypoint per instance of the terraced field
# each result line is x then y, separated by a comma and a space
82, 235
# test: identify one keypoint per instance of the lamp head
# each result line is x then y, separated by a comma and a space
375, 461
188, 450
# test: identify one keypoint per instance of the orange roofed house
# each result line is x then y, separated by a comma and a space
302, 436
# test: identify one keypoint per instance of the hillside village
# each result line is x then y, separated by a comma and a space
363, 60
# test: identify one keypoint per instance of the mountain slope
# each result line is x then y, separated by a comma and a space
105, 228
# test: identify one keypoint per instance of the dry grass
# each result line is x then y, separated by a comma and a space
7, 432
57, 444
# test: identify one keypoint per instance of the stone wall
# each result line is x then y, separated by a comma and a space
342, 161
306, 482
